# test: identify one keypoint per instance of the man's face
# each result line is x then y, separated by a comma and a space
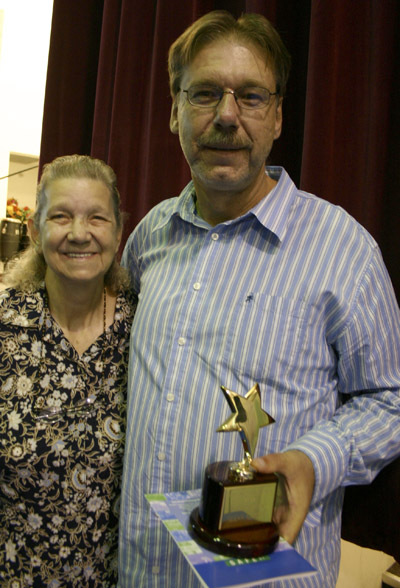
227, 146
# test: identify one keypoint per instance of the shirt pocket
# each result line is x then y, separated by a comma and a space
269, 336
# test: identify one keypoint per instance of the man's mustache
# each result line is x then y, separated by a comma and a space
218, 140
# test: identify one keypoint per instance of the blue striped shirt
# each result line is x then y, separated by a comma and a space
293, 295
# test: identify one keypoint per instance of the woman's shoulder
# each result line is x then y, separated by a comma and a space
125, 306
19, 307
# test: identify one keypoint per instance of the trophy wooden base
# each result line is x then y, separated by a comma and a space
245, 542
235, 514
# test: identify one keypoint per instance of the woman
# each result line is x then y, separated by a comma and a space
64, 329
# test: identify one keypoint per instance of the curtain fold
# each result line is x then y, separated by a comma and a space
351, 133
348, 105
71, 78
107, 95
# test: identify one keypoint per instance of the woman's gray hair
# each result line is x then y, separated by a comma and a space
27, 271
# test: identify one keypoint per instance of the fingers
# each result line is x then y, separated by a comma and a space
268, 464
296, 486
294, 465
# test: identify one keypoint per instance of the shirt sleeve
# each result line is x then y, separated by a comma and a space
364, 433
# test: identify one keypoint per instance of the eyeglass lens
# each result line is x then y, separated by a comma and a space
247, 97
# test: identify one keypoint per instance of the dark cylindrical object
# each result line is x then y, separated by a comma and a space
23, 237
9, 238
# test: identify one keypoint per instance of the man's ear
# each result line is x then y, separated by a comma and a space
278, 119
173, 121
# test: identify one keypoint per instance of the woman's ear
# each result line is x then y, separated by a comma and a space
119, 237
33, 233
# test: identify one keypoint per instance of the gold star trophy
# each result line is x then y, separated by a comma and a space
237, 502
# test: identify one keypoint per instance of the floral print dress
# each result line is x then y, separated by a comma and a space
59, 478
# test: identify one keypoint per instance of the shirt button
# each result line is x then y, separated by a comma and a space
181, 341
161, 456
155, 569
196, 286
170, 397
215, 236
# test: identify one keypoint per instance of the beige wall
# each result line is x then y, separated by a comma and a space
24, 45
22, 183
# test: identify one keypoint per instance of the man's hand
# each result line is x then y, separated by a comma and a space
296, 481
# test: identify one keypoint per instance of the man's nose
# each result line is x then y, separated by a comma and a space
227, 111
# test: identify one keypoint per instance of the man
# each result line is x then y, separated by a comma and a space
244, 279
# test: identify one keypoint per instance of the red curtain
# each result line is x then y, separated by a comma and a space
107, 95
352, 123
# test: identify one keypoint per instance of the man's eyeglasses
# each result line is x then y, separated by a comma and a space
248, 97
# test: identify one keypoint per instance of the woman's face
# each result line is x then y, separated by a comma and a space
78, 233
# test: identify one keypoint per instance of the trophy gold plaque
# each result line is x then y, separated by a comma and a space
234, 517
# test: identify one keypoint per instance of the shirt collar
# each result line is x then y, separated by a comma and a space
272, 212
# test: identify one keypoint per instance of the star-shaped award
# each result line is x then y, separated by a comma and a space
237, 503
247, 418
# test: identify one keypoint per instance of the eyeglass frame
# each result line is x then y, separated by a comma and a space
54, 414
234, 94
